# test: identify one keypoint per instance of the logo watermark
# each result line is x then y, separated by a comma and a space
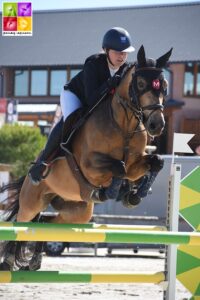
17, 19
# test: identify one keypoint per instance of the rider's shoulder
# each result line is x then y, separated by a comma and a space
95, 58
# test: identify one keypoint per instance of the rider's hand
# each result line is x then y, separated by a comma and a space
114, 81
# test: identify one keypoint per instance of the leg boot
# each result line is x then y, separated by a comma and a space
111, 192
36, 171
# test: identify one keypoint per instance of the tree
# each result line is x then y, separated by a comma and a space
19, 146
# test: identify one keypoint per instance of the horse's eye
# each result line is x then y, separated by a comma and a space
141, 83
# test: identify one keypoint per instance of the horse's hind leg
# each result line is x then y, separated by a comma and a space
8, 256
28, 204
31, 201
72, 211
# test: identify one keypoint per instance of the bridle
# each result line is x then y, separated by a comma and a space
135, 107
155, 85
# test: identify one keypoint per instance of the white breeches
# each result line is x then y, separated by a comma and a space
69, 102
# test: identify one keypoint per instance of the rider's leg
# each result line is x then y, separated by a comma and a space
37, 169
69, 103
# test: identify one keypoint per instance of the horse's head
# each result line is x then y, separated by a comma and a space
148, 89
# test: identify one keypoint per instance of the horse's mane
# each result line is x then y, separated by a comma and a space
106, 103
127, 69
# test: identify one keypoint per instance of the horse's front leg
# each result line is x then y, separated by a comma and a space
147, 163
101, 167
153, 164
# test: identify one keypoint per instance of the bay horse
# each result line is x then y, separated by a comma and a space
111, 143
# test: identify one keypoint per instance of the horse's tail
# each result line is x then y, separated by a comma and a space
14, 189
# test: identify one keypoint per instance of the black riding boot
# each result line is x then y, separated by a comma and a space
36, 171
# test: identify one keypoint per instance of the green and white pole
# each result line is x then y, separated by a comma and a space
172, 225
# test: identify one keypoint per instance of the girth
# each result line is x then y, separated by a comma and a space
86, 188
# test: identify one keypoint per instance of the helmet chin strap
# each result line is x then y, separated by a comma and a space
108, 57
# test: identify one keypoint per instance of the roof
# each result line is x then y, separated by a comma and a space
69, 36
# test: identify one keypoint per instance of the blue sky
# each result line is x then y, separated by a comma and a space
71, 4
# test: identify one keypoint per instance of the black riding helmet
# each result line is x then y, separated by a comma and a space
117, 39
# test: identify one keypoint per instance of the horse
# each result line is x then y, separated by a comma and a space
110, 143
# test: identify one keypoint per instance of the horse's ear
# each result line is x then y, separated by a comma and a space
141, 57
162, 61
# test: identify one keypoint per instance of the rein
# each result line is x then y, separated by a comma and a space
127, 135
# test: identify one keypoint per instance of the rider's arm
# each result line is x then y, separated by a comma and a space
93, 87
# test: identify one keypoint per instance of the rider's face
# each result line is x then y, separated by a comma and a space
117, 58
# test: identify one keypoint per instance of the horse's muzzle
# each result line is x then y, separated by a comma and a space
155, 124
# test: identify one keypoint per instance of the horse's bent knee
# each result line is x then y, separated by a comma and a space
85, 218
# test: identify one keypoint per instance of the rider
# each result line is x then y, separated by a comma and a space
100, 74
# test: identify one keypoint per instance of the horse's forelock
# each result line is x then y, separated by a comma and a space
150, 63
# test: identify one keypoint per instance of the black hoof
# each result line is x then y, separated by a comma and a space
98, 196
24, 268
36, 261
118, 169
131, 200
156, 162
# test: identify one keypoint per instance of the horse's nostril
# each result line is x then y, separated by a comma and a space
152, 126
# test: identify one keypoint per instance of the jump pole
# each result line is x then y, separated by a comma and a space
67, 277
84, 226
98, 236
17, 232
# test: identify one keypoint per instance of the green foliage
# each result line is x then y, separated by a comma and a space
19, 145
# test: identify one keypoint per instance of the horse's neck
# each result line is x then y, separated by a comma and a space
120, 113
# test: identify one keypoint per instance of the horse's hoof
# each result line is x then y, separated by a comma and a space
35, 267
131, 200
24, 268
119, 169
156, 162
98, 196
35, 263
